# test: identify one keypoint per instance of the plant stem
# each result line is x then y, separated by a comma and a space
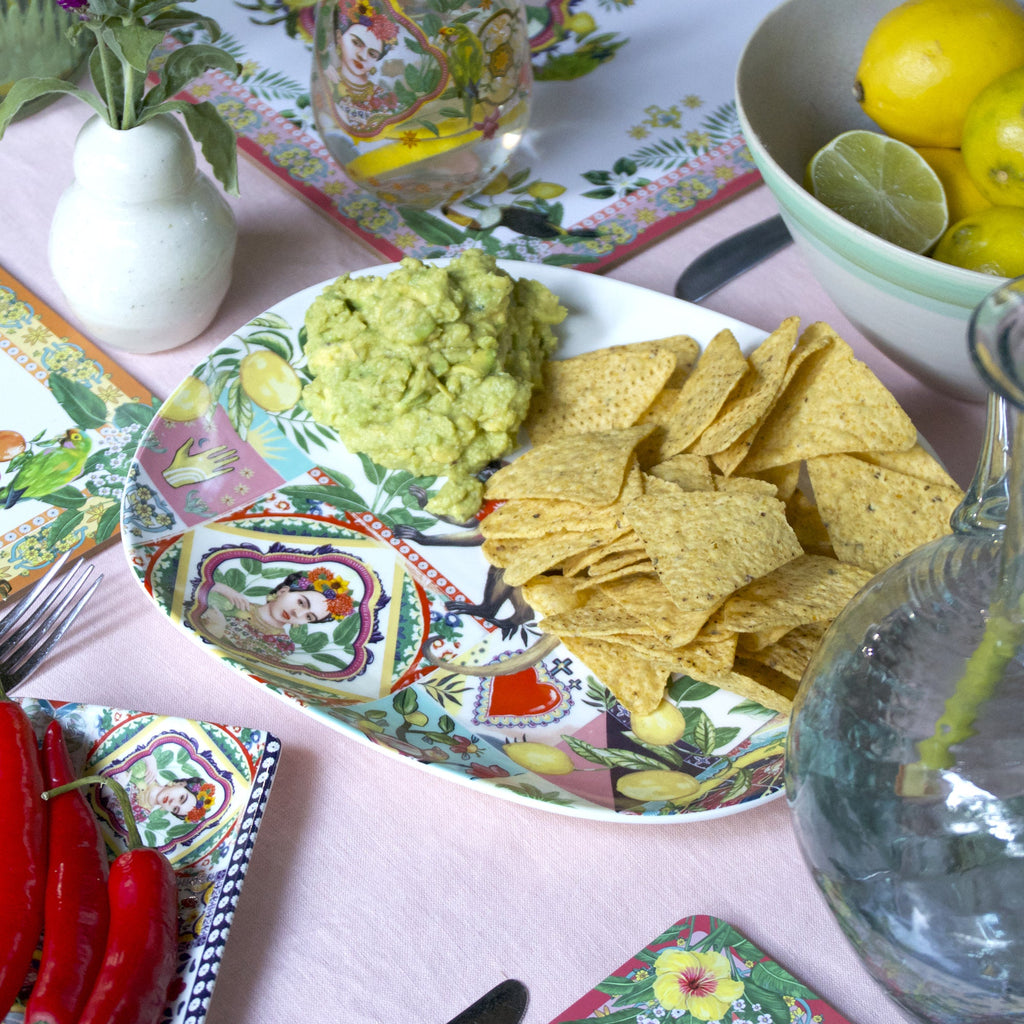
128, 114
134, 838
107, 86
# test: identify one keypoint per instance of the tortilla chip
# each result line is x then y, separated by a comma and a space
598, 616
534, 517
614, 560
805, 518
812, 340
705, 545
834, 403
756, 391
587, 468
646, 598
875, 516
547, 595
703, 656
745, 485
686, 351
791, 653
617, 543
524, 558
604, 390
719, 369
785, 479
916, 461
809, 588
690, 472
758, 683
760, 638
637, 684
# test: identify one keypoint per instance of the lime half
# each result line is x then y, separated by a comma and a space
882, 185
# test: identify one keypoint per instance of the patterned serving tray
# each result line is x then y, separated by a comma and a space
234, 488
223, 777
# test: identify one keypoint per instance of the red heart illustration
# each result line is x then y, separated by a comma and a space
521, 694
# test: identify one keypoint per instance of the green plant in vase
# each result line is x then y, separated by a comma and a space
121, 65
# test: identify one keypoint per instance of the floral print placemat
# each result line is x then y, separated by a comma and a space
701, 969
70, 422
633, 131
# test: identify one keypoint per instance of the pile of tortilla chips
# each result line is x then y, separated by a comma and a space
709, 513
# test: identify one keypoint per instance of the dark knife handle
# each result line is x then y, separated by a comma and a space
504, 1004
731, 257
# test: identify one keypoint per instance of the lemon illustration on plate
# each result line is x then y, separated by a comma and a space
270, 381
191, 400
539, 758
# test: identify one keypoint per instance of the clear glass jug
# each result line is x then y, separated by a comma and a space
905, 763
421, 101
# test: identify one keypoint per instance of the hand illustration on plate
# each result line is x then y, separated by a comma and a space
195, 467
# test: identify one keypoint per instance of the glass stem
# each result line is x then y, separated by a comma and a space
1004, 630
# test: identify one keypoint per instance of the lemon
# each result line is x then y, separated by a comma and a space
269, 381
990, 241
962, 195
882, 185
927, 59
190, 401
993, 144
661, 727
658, 784
540, 758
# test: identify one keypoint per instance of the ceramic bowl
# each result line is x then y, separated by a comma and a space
794, 92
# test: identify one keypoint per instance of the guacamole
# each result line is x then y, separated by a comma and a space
430, 369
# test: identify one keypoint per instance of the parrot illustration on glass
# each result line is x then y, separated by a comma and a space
41, 472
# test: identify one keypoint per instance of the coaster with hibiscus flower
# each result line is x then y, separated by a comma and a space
700, 969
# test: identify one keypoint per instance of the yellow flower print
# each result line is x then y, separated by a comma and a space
692, 102
698, 140
663, 117
699, 983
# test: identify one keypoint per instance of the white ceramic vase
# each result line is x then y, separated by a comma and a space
142, 242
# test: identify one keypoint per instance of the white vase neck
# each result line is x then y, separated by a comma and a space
151, 161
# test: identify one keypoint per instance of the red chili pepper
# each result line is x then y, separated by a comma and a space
140, 959
76, 907
23, 870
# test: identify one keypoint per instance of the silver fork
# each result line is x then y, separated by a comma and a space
44, 614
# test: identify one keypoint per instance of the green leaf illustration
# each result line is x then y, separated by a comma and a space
87, 410
770, 976
271, 340
405, 702
108, 523
610, 757
66, 497
430, 228
133, 414
239, 408
772, 1005
65, 524
313, 642
341, 498
700, 730
346, 631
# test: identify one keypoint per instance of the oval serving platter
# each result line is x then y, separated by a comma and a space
234, 487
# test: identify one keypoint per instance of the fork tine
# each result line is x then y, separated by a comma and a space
32, 657
47, 603
14, 615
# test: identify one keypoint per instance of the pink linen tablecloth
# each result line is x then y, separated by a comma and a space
378, 892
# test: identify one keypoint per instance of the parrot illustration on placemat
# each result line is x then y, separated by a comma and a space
37, 473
